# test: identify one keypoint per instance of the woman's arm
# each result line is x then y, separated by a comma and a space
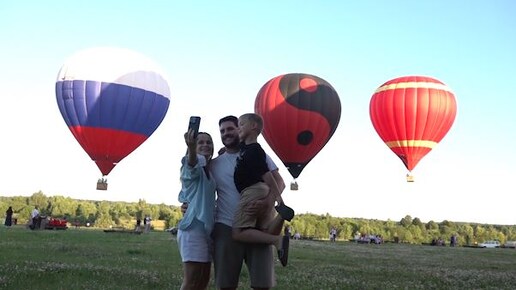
191, 143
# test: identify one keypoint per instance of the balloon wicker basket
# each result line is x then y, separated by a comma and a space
101, 185
410, 178
294, 186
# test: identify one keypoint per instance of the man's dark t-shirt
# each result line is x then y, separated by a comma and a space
251, 166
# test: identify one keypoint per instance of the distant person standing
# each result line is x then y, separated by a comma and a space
333, 234
35, 218
9, 217
287, 231
138, 225
453, 240
147, 223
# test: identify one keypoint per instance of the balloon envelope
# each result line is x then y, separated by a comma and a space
112, 100
300, 112
412, 114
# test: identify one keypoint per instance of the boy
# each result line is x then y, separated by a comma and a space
254, 181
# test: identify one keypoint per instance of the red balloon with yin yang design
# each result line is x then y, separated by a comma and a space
300, 113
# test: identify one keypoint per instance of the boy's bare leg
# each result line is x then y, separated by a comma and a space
256, 236
276, 225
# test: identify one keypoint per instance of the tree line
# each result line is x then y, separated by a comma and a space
102, 214
407, 230
105, 214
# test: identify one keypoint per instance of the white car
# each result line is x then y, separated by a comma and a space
489, 244
510, 244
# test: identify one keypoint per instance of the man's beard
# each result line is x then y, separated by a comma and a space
233, 143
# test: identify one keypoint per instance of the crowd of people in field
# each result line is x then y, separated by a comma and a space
146, 224
35, 220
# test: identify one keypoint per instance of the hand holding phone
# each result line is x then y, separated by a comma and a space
194, 124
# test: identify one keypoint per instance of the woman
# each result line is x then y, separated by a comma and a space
9, 217
198, 190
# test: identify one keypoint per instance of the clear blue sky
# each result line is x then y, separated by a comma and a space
218, 54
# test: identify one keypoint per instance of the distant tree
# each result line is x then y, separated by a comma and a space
510, 233
174, 219
3, 208
364, 228
165, 212
480, 233
153, 211
406, 221
389, 235
60, 206
401, 234
431, 225
19, 203
309, 230
416, 234
408, 237
417, 222
463, 231
103, 207
298, 225
142, 206
446, 223
103, 220
390, 227
501, 237
377, 227
345, 231
87, 210
40, 200
492, 233
118, 208
321, 229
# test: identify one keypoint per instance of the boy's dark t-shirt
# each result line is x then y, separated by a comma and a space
251, 166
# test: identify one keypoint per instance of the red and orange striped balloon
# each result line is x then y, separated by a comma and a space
412, 114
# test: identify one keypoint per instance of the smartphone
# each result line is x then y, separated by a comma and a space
194, 124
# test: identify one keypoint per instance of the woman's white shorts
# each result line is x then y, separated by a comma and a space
194, 245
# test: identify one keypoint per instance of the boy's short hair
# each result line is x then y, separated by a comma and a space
229, 118
255, 118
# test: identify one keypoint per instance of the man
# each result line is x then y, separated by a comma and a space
35, 218
229, 255
147, 223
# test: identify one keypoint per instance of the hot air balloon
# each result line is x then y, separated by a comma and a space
300, 112
112, 100
412, 114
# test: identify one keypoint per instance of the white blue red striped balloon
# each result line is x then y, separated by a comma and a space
112, 100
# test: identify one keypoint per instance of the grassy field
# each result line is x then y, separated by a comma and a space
92, 259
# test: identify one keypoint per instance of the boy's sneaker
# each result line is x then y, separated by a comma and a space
285, 212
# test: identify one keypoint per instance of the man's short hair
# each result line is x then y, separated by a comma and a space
229, 118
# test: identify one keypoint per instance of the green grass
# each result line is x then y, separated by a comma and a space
92, 259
